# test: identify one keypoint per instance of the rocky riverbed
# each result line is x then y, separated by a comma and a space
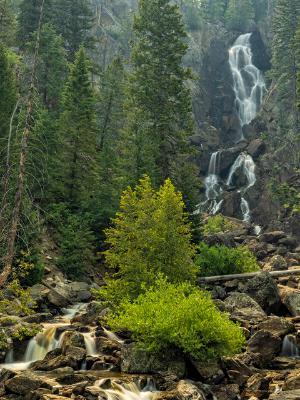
75, 356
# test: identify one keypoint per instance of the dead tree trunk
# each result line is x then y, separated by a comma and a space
15, 219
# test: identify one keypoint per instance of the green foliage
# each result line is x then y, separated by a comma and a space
74, 238
179, 316
22, 332
77, 167
287, 195
19, 302
30, 265
222, 260
7, 22
217, 224
149, 235
214, 10
239, 14
4, 344
158, 106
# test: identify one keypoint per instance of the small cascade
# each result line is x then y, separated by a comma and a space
289, 347
42, 343
212, 185
112, 336
90, 344
245, 210
248, 81
130, 391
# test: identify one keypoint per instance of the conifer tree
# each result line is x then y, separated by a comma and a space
78, 165
159, 103
285, 22
238, 14
7, 22
8, 99
52, 66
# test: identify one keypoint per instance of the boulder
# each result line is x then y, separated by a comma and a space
286, 395
292, 382
226, 392
263, 289
243, 308
256, 148
276, 263
187, 390
24, 383
107, 346
291, 299
37, 318
72, 339
210, 371
60, 361
266, 344
237, 371
56, 299
138, 361
272, 237
225, 239
277, 326
92, 314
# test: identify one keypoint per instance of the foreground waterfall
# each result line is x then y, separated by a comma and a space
213, 188
248, 82
289, 347
129, 391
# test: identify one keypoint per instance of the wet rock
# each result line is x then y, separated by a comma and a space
138, 361
243, 308
91, 316
287, 395
24, 383
292, 382
56, 299
290, 298
277, 326
272, 237
37, 318
276, 263
107, 346
257, 385
263, 289
187, 390
76, 353
266, 344
227, 392
237, 371
37, 394
55, 363
284, 363
75, 389
256, 148
210, 371
75, 339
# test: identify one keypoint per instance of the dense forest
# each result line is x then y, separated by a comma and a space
149, 199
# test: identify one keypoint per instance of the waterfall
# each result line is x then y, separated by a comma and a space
90, 344
112, 336
289, 347
212, 185
42, 343
244, 161
130, 391
245, 210
248, 82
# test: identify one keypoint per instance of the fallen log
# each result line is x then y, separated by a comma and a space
249, 275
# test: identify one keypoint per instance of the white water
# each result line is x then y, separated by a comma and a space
245, 210
130, 391
246, 163
212, 185
112, 336
90, 344
46, 341
248, 82
289, 347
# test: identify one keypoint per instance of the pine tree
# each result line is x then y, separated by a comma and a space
159, 103
52, 66
78, 165
214, 10
8, 99
73, 20
285, 21
28, 18
239, 14
7, 22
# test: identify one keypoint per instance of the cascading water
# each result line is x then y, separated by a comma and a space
248, 82
212, 185
48, 340
289, 347
129, 391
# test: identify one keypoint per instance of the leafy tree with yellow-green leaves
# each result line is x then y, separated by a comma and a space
149, 235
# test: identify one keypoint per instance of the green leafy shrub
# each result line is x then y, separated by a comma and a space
222, 260
22, 332
179, 316
217, 224
30, 267
74, 238
149, 235
15, 300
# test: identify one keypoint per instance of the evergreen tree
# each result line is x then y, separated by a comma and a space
52, 66
8, 99
111, 119
297, 57
285, 21
28, 18
78, 165
214, 10
73, 20
239, 14
159, 104
7, 22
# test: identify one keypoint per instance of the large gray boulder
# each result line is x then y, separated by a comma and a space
291, 299
266, 344
263, 289
243, 308
138, 361
26, 382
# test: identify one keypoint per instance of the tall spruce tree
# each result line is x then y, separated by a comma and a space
239, 14
285, 22
7, 22
77, 165
8, 99
159, 103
